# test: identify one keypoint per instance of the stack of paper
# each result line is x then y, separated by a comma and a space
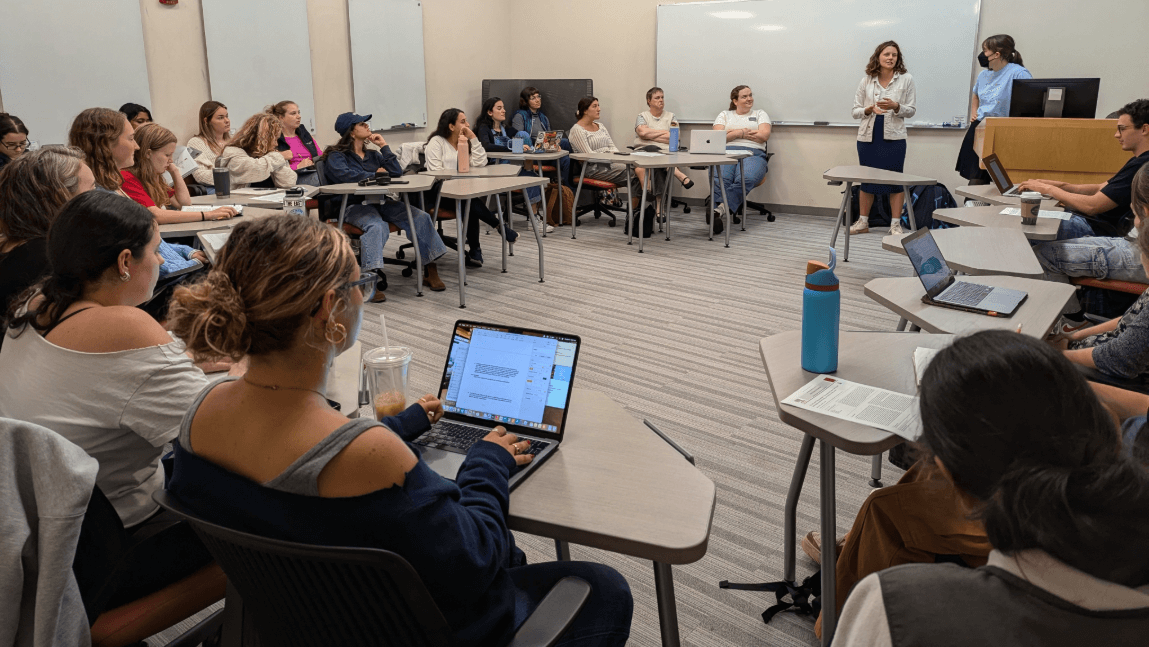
1016, 211
207, 207
274, 197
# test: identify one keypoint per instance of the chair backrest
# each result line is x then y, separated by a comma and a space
320, 171
298, 594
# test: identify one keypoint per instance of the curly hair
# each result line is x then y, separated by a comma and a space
268, 281
33, 189
151, 138
259, 134
95, 131
873, 67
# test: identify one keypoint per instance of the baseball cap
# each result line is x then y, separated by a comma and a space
345, 121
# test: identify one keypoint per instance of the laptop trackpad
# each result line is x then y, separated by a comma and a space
444, 463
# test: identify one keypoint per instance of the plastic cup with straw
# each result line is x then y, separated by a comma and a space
387, 372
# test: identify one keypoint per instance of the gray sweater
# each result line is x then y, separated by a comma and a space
1124, 352
45, 484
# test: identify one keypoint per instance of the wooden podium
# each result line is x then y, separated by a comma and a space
1078, 151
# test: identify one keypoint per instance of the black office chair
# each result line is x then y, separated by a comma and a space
762, 210
298, 594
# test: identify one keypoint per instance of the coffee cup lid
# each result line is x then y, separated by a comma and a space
1031, 195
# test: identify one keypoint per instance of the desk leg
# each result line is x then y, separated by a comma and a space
838, 223
667, 610
536, 225
460, 225
902, 324
876, 471
729, 215
641, 210
574, 206
910, 208
710, 218
745, 198
848, 217
791, 511
343, 211
503, 225
629, 205
829, 543
667, 200
562, 550
415, 242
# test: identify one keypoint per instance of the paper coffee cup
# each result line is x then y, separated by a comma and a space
1030, 205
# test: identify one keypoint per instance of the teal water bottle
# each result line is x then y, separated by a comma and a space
674, 137
821, 313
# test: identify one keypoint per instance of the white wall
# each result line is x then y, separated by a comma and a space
613, 42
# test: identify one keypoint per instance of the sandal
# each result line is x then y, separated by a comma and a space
687, 183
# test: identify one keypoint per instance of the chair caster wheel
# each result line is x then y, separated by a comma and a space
407, 272
770, 218
686, 210
400, 254
611, 223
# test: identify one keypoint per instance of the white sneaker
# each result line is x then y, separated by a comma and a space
544, 226
860, 226
896, 227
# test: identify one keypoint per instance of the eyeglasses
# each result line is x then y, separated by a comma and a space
1120, 129
366, 284
15, 146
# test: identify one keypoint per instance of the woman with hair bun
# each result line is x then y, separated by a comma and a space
266, 454
1064, 505
588, 135
82, 359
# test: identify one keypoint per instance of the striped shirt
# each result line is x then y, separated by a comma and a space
584, 141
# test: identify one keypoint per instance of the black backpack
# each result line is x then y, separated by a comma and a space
647, 223
927, 199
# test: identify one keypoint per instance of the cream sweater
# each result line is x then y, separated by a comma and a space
442, 155
204, 162
246, 169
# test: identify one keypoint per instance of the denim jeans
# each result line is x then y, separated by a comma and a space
366, 217
431, 246
604, 621
755, 167
1075, 227
1098, 257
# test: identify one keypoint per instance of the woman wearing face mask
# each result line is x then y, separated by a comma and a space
295, 138
885, 99
991, 95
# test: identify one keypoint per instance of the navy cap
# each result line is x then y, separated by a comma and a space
345, 121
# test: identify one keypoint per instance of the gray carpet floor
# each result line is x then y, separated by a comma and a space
672, 334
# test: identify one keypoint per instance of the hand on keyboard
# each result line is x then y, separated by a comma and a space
518, 448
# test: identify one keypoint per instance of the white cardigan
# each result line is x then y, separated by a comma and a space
901, 90
442, 155
246, 169
204, 162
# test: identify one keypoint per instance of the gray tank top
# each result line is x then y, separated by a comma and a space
302, 476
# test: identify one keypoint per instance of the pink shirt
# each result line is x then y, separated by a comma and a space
299, 152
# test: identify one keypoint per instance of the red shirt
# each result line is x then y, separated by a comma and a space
134, 189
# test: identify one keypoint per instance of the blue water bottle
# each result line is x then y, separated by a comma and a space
821, 312
674, 137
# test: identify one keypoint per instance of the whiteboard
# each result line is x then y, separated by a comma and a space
804, 59
79, 54
387, 67
258, 54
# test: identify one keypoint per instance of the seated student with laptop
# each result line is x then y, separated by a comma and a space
1106, 204
746, 129
1062, 502
531, 119
267, 455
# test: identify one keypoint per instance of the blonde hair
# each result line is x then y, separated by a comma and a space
151, 137
259, 134
95, 131
280, 109
206, 113
269, 280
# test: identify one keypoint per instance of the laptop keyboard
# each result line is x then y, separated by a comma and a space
965, 294
454, 437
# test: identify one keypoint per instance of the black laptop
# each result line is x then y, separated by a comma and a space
942, 289
502, 375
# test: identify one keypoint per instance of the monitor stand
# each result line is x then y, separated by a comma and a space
1054, 102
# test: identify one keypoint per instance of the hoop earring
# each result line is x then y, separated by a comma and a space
333, 328
125, 277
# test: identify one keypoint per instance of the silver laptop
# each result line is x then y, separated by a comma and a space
942, 289
1000, 178
708, 142
502, 375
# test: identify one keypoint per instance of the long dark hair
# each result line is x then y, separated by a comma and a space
446, 120
1019, 429
583, 105
85, 240
33, 189
486, 119
874, 66
1003, 44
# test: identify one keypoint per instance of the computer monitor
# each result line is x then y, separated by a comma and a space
1077, 99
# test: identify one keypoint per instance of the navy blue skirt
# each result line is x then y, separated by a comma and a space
883, 154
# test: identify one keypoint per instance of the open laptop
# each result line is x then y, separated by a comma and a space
1000, 178
548, 141
942, 289
502, 375
708, 142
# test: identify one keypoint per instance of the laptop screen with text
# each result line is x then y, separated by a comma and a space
509, 376
926, 259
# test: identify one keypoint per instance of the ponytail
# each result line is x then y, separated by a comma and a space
1003, 44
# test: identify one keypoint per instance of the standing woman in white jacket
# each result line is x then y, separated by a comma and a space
442, 152
884, 100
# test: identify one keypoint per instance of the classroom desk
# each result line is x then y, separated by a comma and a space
414, 184
463, 189
1045, 229
604, 158
674, 160
491, 170
860, 174
980, 251
877, 359
185, 229
903, 296
536, 157
248, 199
615, 485
989, 193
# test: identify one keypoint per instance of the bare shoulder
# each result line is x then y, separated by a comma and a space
376, 460
110, 329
